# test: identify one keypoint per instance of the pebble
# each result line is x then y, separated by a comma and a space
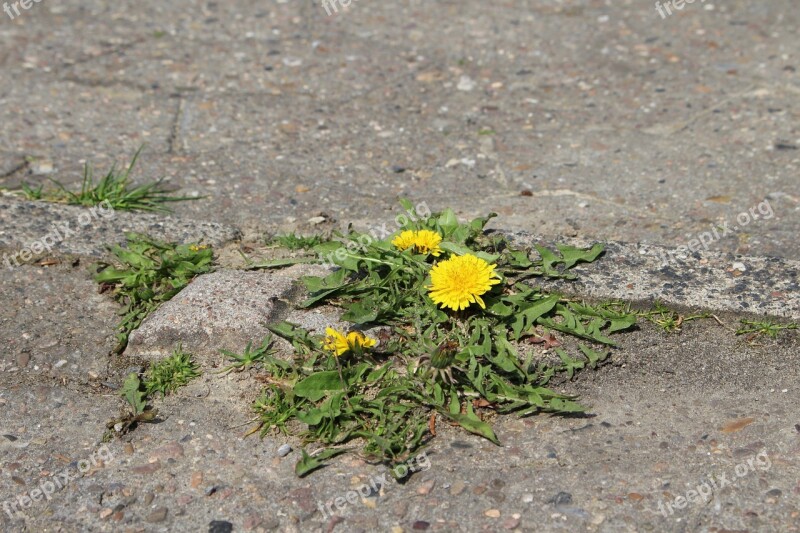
197, 480
146, 469
420, 525
562, 498
493, 513
159, 515
173, 450
457, 488
426, 487
220, 526
465, 83
512, 522
284, 450
528, 498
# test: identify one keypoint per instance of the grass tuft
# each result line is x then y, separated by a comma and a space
173, 372
115, 189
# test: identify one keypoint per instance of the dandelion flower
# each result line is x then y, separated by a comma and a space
460, 281
339, 343
423, 241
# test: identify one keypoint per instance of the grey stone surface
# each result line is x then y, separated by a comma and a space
66, 229
222, 310
621, 125
54, 324
707, 280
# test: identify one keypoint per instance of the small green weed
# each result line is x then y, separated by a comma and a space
291, 241
164, 377
667, 319
150, 272
250, 357
756, 328
173, 372
114, 189
135, 394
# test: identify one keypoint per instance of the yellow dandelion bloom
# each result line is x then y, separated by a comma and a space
339, 343
427, 242
460, 281
423, 241
196, 248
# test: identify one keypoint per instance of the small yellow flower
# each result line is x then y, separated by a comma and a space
196, 248
423, 241
460, 281
339, 343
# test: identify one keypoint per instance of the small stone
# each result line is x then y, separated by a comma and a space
457, 488
284, 450
159, 515
146, 469
220, 526
420, 525
739, 266
105, 513
252, 521
493, 513
128, 448
426, 487
197, 480
528, 498
148, 498
465, 83
512, 522
23, 359
562, 498
173, 450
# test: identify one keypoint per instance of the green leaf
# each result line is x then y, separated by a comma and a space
279, 263
317, 385
308, 464
459, 249
573, 255
473, 424
447, 222
132, 393
530, 313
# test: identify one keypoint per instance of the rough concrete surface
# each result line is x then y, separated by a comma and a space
588, 120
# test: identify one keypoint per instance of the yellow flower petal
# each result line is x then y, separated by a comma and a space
460, 281
339, 343
423, 241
